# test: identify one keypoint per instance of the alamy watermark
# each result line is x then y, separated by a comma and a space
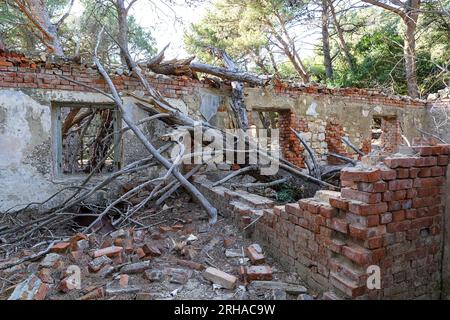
374, 277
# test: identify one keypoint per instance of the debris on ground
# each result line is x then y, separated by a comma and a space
179, 260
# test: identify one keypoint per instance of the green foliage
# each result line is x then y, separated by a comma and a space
19, 34
288, 194
373, 35
141, 43
230, 25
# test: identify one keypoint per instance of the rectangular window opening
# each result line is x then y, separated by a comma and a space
85, 135
376, 133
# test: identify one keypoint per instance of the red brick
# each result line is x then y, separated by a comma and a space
313, 207
226, 280
373, 220
411, 193
388, 196
388, 174
399, 205
428, 182
258, 273
398, 215
378, 255
421, 223
61, 247
414, 172
426, 201
339, 225
328, 211
354, 174
428, 211
437, 171
400, 194
358, 232
42, 292
109, 251
365, 209
410, 214
360, 256
441, 149
424, 172
379, 186
365, 197
293, 208
191, 264
123, 280
399, 162
425, 161
66, 285
442, 160
96, 294
426, 192
339, 203
255, 254
375, 242
5, 64
348, 287
334, 245
398, 226
402, 173
400, 184
423, 150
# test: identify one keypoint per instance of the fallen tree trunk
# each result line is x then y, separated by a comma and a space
140, 135
316, 169
237, 91
229, 75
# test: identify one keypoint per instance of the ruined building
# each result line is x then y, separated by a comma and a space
392, 210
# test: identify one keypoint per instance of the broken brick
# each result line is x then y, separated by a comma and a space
151, 250
138, 267
164, 229
95, 294
258, 273
360, 175
61, 247
254, 252
108, 251
98, 263
67, 284
191, 264
123, 280
217, 276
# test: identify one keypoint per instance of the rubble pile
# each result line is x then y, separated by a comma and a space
184, 260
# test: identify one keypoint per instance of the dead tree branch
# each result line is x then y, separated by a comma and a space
140, 135
352, 146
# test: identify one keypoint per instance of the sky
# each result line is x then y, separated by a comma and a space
168, 24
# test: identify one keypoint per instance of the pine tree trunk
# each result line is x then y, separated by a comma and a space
37, 13
326, 41
341, 40
122, 37
409, 47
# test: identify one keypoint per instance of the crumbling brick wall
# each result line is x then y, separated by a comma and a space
18, 71
290, 147
334, 134
389, 215
390, 134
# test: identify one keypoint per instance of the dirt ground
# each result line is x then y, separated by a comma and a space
180, 233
